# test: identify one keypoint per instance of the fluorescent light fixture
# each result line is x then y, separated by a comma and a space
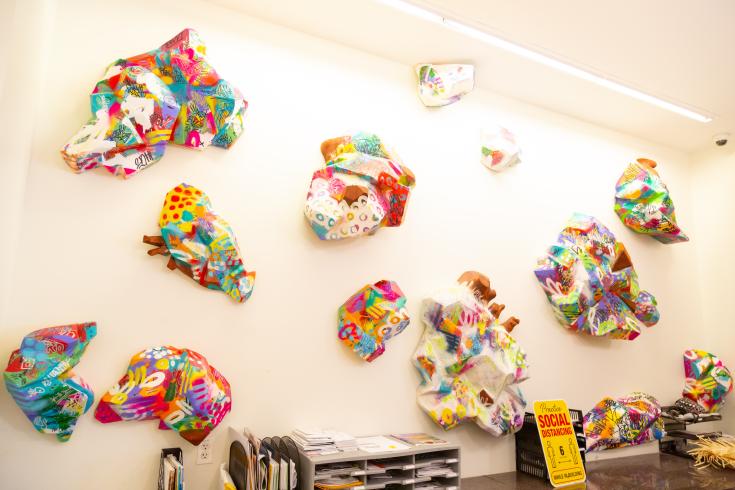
428, 15
415, 10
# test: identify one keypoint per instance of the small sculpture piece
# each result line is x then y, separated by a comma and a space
441, 85
201, 244
372, 316
168, 95
40, 379
708, 381
177, 386
469, 363
362, 188
588, 278
628, 421
643, 203
499, 149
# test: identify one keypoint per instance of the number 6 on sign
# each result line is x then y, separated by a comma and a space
559, 441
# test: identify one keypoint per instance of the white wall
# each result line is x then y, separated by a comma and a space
23, 36
80, 256
713, 206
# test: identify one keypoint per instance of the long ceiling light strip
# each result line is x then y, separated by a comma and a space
428, 15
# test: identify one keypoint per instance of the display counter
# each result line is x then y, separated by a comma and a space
646, 471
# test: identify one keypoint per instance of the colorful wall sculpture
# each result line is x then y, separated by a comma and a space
40, 379
628, 421
708, 381
372, 316
168, 95
362, 188
588, 278
499, 149
441, 85
177, 386
201, 244
470, 365
643, 203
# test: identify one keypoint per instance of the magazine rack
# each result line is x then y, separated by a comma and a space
676, 440
176, 453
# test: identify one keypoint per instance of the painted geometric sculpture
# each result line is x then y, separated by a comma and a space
470, 365
176, 386
372, 316
362, 187
40, 379
588, 278
168, 95
499, 149
628, 421
200, 243
708, 381
643, 203
441, 85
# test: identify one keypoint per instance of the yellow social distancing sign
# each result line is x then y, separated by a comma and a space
559, 443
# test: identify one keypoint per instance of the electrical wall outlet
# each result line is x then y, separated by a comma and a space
204, 451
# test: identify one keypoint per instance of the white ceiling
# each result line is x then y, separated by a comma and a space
679, 50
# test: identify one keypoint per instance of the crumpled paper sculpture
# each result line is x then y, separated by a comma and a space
40, 379
708, 381
643, 203
142, 103
371, 317
588, 278
362, 187
470, 365
628, 421
201, 244
441, 85
177, 386
499, 149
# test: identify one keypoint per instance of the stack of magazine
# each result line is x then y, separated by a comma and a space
318, 441
418, 439
435, 468
338, 483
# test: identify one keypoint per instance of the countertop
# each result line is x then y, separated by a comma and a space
648, 471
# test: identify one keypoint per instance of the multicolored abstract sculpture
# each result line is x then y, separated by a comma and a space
142, 103
643, 203
588, 278
708, 381
628, 421
470, 365
40, 379
362, 187
201, 244
371, 316
441, 85
499, 149
177, 386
